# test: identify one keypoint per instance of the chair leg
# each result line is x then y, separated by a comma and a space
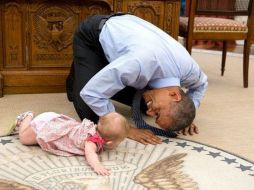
224, 54
246, 54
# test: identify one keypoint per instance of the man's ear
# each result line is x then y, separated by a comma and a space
176, 95
150, 111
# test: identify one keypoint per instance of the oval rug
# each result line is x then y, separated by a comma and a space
176, 164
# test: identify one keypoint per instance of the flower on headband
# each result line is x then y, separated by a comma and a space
98, 140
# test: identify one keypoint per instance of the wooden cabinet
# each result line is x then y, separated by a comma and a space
36, 37
164, 14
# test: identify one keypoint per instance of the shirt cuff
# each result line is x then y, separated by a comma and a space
165, 82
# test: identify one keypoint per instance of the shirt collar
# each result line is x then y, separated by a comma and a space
165, 82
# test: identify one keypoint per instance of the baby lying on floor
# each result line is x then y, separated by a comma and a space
64, 136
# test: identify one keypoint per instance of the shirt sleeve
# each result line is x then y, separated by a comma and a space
122, 72
196, 83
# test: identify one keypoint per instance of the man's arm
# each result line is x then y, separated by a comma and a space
120, 73
196, 83
93, 159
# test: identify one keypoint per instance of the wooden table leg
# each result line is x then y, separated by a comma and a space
1, 85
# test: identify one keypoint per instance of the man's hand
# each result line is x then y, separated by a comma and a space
143, 136
191, 130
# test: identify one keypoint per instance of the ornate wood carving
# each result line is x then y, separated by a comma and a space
148, 10
96, 7
52, 28
162, 13
171, 22
13, 35
119, 6
50, 34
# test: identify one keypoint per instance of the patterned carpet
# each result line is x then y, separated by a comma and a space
225, 120
176, 164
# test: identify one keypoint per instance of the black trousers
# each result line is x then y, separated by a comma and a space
89, 59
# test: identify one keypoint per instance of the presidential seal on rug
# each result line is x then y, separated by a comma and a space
175, 164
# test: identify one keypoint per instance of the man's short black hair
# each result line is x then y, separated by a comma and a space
182, 112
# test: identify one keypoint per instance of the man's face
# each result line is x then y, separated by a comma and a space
159, 103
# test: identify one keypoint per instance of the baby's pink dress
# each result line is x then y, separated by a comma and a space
64, 136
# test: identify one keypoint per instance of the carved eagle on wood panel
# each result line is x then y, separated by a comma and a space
166, 174
57, 34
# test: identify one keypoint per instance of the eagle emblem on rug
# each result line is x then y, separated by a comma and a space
12, 185
54, 27
166, 174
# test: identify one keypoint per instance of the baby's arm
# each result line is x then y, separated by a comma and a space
93, 159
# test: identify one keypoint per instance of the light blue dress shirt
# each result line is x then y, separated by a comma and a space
141, 55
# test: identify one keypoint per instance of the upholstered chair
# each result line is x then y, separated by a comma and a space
202, 24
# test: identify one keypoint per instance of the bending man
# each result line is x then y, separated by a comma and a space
118, 54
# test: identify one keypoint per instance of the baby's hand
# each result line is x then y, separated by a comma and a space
101, 170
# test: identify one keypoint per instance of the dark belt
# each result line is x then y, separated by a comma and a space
104, 20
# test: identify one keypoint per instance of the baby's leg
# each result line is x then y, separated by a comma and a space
27, 136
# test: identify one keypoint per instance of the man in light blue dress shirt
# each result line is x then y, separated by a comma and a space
116, 55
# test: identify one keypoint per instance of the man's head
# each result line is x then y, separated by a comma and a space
171, 107
114, 128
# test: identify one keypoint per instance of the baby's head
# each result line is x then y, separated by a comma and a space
114, 128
